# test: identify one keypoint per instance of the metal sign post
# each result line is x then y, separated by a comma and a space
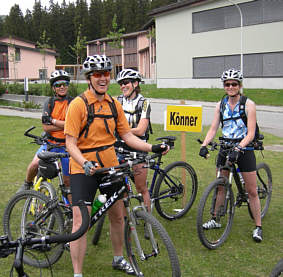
26, 88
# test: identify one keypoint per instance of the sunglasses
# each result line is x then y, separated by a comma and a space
227, 85
100, 74
124, 82
58, 85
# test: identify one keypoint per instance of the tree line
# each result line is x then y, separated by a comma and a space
62, 24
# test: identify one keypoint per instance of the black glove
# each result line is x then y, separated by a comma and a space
46, 119
203, 152
234, 155
159, 148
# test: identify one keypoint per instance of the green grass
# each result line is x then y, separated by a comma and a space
273, 97
238, 257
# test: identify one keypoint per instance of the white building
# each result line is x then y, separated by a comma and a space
196, 40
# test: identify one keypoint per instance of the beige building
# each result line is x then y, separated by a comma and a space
197, 40
20, 58
138, 52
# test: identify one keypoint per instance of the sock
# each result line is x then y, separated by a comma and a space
117, 258
258, 227
78, 275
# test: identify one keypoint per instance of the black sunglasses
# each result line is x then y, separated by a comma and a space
124, 82
231, 84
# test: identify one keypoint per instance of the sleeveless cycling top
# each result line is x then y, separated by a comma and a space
233, 125
133, 112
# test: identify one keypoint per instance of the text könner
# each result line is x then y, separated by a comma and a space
183, 120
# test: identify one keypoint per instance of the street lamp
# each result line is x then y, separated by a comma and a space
241, 31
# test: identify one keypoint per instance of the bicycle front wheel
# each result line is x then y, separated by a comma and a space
215, 214
175, 190
150, 257
264, 186
28, 213
278, 269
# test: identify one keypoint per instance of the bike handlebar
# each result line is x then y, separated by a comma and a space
71, 237
127, 164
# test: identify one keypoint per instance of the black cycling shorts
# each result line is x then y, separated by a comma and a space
84, 188
246, 161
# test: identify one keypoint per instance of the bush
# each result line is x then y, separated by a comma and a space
73, 90
2, 88
16, 88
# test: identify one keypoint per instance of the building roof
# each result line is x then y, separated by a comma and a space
178, 5
134, 34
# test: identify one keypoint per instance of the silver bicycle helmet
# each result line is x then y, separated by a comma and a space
232, 74
58, 75
96, 63
128, 74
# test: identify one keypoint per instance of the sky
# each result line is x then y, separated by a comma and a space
24, 5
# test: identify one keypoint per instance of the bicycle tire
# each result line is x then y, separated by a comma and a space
20, 219
166, 260
47, 189
98, 229
264, 188
278, 269
213, 238
177, 205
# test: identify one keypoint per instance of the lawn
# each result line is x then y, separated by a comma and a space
238, 257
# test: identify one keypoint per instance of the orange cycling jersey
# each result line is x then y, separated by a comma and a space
93, 146
58, 111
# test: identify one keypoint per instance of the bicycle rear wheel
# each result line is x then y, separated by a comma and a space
264, 186
29, 213
98, 229
155, 261
278, 269
47, 189
216, 203
175, 191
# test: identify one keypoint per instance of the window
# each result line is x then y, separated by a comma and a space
255, 65
254, 12
17, 54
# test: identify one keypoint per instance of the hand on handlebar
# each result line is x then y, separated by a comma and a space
234, 155
203, 152
160, 148
47, 120
89, 168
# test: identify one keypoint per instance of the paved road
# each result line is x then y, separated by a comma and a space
270, 119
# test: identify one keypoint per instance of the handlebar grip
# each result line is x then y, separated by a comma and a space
71, 237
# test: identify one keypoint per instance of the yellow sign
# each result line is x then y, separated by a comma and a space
183, 118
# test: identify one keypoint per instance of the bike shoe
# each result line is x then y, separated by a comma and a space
257, 234
211, 224
123, 265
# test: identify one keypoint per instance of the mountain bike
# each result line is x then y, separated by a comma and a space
154, 255
172, 190
149, 256
278, 269
218, 198
35, 233
49, 168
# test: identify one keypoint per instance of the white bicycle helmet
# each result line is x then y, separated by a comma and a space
232, 74
128, 74
58, 75
96, 63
